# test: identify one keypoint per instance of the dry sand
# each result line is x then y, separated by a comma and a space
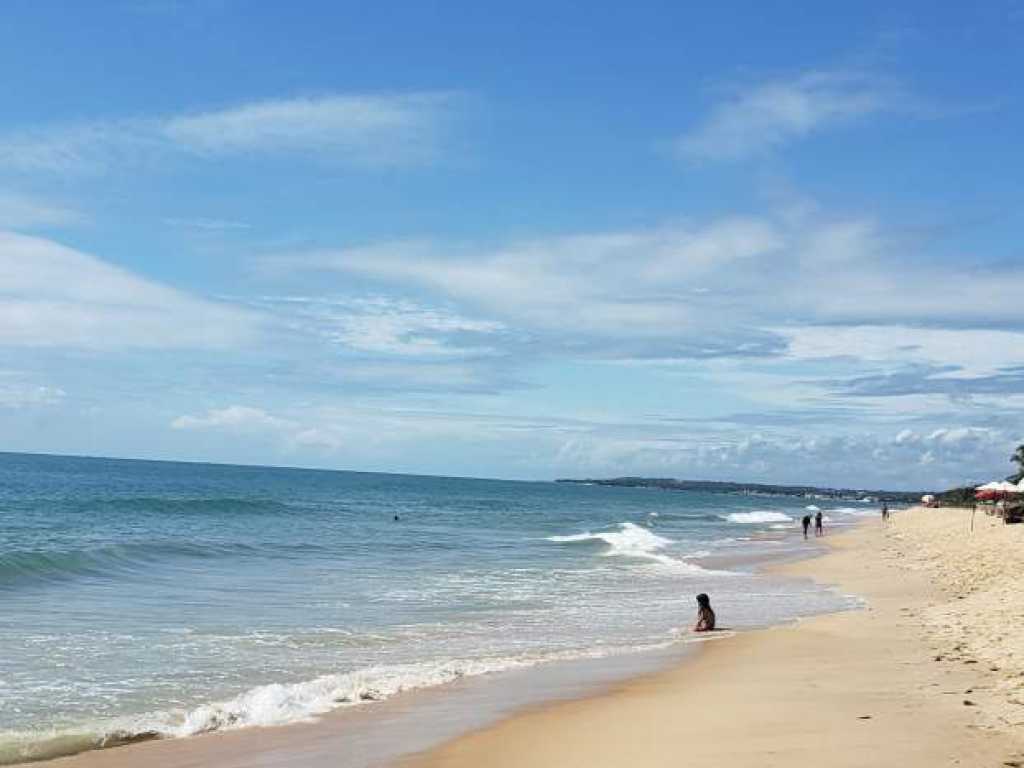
930, 673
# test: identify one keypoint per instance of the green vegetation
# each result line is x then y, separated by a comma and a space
964, 495
1018, 459
807, 491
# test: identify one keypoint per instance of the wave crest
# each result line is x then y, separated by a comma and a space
758, 516
39, 566
634, 542
280, 704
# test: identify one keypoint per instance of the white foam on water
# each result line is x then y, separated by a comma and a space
758, 516
283, 703
635, 542
812, 508
698, 553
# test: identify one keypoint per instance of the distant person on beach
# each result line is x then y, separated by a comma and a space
885, 513
705, 616
806, 522
818, 531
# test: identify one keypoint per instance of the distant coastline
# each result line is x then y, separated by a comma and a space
763, 489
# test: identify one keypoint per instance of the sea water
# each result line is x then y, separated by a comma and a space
156, 599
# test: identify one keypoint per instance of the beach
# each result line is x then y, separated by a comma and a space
929, 672
161, 601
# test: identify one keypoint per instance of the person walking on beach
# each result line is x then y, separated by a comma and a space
806, 522
818, 531
885, 513
705, 616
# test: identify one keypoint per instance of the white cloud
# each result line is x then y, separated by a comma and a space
375, 428
370, 129
24, 212
730, 287
207, 224
933, 460
17, 393
234, 417
290, 434
82, 147
394, 327
356, 129
54, 296
976, 352
770, 114
625, 285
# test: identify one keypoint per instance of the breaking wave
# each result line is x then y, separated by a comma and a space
632, 541
278, 704
759, 516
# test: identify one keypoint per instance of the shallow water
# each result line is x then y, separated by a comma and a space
172, 599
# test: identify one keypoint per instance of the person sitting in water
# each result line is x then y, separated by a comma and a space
705, 616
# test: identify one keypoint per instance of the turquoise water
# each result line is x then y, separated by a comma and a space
170, 599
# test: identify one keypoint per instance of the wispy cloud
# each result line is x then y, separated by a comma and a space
16, 391
364, 129
976, 352
55, 296
240, 417
25, 213
387, 326
206, 224
81, 147
644, 291
351, 129
288, 434
751, 287
771, 114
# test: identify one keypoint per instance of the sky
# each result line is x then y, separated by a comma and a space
745, 241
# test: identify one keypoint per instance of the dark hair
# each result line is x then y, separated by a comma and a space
703, 600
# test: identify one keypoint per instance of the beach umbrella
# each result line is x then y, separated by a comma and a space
1006, 487
993, 486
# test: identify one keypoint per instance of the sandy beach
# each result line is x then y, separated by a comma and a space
930, 672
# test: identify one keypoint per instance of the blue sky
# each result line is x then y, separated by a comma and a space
522, 241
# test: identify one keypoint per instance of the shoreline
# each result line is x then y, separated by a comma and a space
704, 698
431, 715
876, 686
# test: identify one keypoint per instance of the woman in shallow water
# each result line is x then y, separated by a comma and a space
705, 616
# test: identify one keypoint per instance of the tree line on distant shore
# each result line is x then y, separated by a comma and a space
762, 489
964, 495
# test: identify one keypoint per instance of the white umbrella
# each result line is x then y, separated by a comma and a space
1006, 487
995, 485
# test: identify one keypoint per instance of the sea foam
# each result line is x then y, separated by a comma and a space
632, 541
282, 703
758, 516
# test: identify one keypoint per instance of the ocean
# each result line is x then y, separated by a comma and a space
143, 599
